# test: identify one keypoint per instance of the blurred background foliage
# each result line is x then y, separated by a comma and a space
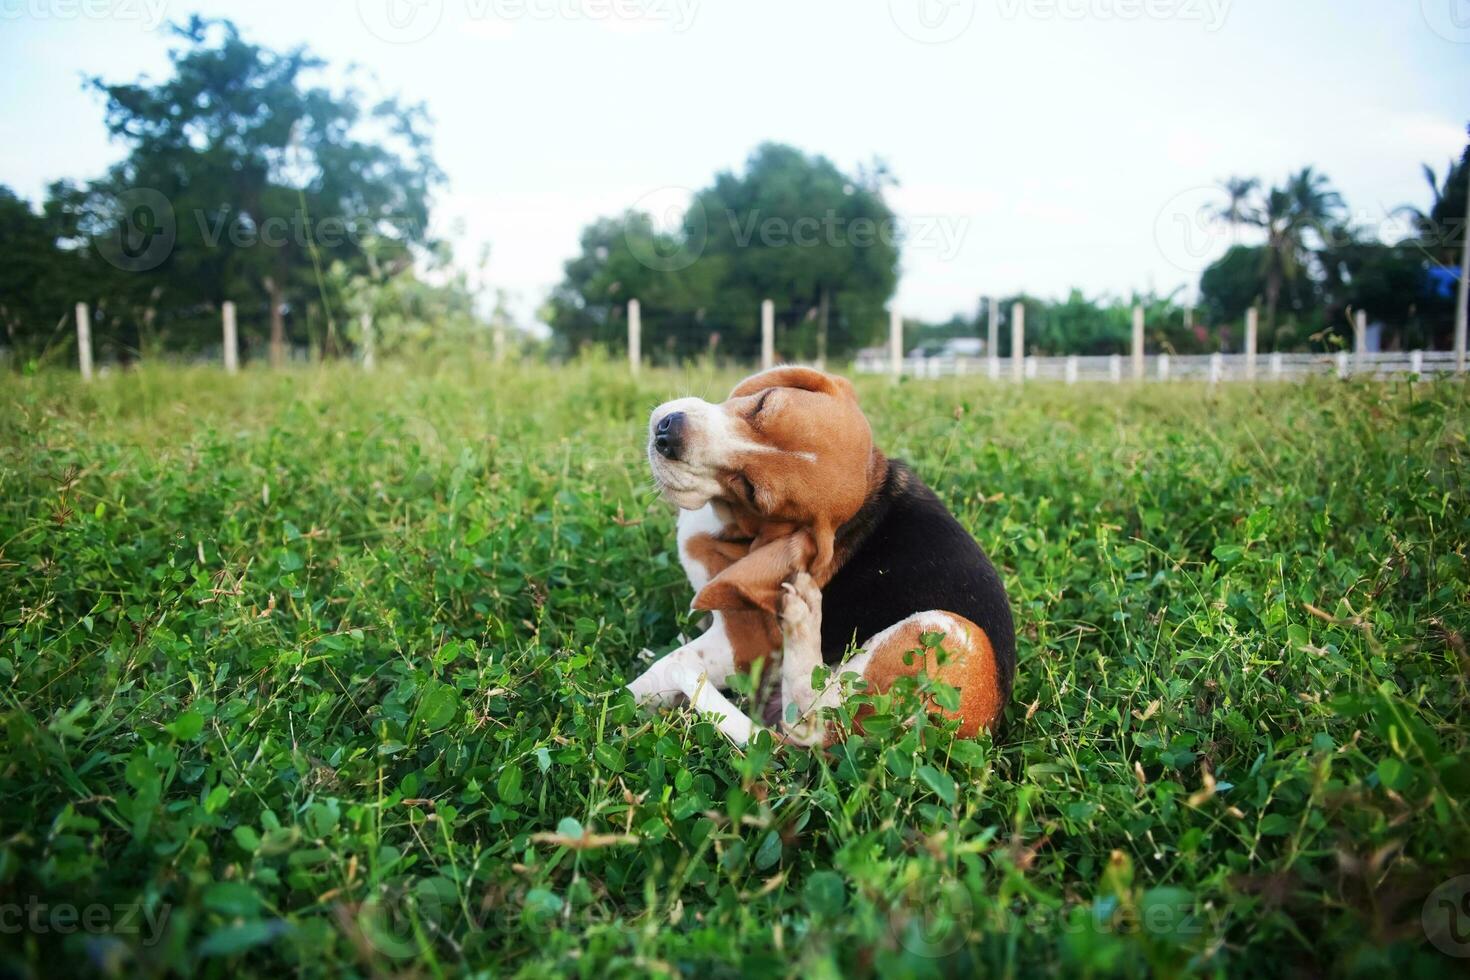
245, 179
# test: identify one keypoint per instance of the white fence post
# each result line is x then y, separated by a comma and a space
895, 343
1416, 362
1360, 339
1252, 329
768, 334
84, 341
1217, 366
1018, 342
1276, 364
369, 344
1072, 369
1138, 343
635, 335
1342, 364
1163, 367
232, 338
1115, 368
992, 339
1462, 300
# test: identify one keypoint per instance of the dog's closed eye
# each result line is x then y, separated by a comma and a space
746, 488
760, 405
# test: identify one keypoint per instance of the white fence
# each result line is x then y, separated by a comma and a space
1164, 367
1248, 366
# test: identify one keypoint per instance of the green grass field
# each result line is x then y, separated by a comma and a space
320, 673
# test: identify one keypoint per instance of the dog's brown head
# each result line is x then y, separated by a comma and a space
790, 455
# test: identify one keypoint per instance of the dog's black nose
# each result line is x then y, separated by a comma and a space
668, 435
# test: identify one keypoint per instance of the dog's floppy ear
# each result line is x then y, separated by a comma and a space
803, 378
754, 582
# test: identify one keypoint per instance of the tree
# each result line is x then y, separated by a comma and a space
35, 276
48, 266
795, 229
1234, 283
407, 313
791, 228
1388, 281
1079, 326
626, 258
1408, 286
253, 180
1440, 228
1294, 217
1440, 240
1241, 192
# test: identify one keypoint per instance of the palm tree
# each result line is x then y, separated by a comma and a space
1430, 226
1241, 191
1289, 215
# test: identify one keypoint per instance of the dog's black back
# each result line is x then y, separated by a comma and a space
906, 554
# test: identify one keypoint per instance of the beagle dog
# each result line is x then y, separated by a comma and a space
802, 540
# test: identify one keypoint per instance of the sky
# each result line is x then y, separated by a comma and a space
1039, 145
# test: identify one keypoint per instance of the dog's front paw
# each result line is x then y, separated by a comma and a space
656, 687
801, 607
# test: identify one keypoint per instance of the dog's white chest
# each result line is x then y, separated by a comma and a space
705, 520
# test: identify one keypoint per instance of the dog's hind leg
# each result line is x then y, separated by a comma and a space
962, 658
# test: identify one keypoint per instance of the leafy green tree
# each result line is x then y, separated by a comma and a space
409, 313
791, 228
1077, 325
35, 277
47, 267
629, 258
1234, 283
1388, 281
1093, 327
1074, 325
822, 244
242, 178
